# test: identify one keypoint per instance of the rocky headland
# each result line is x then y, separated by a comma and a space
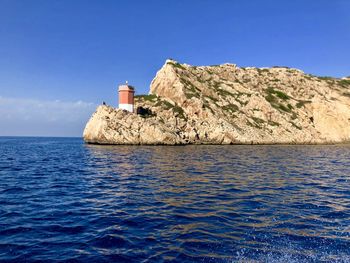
227, 104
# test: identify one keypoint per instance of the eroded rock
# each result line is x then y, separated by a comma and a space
225, 104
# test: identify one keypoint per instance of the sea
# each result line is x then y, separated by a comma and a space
64, 200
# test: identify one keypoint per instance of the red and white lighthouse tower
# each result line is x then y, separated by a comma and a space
126, 97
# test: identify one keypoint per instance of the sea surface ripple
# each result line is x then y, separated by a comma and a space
61, 199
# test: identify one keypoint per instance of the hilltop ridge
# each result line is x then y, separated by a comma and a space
227, 104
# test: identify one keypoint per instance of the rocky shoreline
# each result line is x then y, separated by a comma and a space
226, 104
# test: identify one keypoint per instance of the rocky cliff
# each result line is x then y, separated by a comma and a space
227, 104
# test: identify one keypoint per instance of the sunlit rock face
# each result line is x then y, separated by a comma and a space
226, 104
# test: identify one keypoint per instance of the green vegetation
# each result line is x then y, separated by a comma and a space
258, 120
345, 83
216, 85
161, 103
278, 93
164, 104
215, 100
206, 106
254, 125
301, 103
258, 123
177, 65
225, 93
150, 97
212, 98
238, 81
231, 108
201, 80
191, 95
190, 85
270, 98
308, 76
262, 70
273, 123
296, 126
192, 91
208, 71
284, 108
243, 103
277, 105
180, 112
274, 96
281, 67
326, 78
175, 108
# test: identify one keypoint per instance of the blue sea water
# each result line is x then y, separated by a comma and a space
63, 200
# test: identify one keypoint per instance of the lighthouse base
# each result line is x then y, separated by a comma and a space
128, 107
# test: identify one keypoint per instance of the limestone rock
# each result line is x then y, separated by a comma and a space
226, 104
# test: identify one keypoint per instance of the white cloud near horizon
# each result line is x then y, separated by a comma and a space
31, 117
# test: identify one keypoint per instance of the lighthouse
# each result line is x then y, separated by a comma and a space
126, 97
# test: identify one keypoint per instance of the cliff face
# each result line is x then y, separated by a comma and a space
226, 104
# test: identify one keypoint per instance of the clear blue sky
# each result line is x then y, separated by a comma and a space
73, 53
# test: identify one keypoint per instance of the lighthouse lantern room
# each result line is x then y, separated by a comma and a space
126, 97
